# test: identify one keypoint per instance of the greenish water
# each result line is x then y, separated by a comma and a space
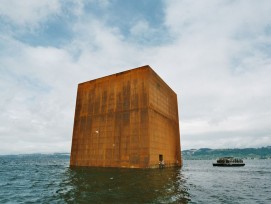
48, 179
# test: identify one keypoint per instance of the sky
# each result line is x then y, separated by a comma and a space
215, 54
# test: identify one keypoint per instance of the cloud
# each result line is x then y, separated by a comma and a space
40, 85
28, 12
220, 93
35, 104
214, 54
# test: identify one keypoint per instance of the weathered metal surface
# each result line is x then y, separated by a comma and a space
126, 120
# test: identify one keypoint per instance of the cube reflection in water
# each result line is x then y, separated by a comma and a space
129, 119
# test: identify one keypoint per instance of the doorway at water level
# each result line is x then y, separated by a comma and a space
161, 157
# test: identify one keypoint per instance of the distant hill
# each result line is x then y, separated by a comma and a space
246, 153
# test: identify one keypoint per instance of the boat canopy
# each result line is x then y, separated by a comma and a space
229, 160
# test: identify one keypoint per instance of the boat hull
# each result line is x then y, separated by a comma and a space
229, 165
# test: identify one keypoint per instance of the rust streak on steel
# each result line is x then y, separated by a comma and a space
129, 119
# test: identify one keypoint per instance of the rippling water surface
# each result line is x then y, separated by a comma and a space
48, 179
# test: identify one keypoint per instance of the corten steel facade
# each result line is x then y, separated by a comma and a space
129, 119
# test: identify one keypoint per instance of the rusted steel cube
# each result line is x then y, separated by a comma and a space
129, 119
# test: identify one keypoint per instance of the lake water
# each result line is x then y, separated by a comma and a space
48, 179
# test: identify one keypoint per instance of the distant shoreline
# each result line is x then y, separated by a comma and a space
192, 154
210, 154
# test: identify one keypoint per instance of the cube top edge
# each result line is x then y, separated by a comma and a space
145, 67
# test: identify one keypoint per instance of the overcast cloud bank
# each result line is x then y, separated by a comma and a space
216, 55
